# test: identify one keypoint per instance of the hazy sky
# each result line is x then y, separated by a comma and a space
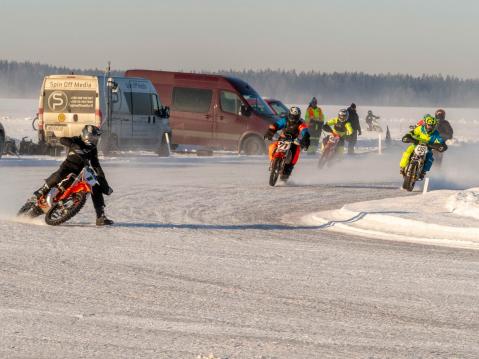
375, 36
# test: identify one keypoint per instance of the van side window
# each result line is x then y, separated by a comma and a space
155, 103
141, 103
191, 100
230, 102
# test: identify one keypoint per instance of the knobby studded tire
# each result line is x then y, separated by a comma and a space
29, 210
325, 157
275, 171
410, 180
59, 214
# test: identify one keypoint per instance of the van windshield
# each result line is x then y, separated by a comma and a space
249, 94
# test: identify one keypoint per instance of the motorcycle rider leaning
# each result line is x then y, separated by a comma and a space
339, 126
81, 150
426, 133
293, 126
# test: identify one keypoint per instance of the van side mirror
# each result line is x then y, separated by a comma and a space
163, 112
245, 110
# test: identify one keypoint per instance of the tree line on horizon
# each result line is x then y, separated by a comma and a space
23, 79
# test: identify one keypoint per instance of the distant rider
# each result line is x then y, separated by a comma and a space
370, 120
339, 127
293, 126
81, 151
426, 133
353, 119
314, 118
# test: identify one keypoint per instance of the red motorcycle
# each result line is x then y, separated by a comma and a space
282, 156
329, 150
63, 201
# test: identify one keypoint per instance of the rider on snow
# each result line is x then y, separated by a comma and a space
293, 126
81, 151
339, 127
426, 133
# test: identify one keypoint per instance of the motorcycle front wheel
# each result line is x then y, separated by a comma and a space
325, 156
66, 209
410, 177
275, 171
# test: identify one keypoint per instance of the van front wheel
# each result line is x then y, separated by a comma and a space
164, 148
253, 145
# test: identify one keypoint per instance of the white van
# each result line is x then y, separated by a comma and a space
138, 120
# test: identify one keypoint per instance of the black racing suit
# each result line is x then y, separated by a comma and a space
446, 132
354, 120
80, 154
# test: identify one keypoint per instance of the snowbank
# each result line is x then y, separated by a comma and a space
445, 218
465, 203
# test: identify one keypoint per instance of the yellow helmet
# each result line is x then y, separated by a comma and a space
430, 123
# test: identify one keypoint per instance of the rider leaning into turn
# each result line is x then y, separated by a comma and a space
339, 127
426, 133
81, 151
293, 126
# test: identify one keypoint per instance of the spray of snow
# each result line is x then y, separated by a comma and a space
465, 203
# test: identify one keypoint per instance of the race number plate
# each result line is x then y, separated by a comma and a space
284, 146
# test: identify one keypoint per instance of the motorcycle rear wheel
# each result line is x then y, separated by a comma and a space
29, 210
65, 210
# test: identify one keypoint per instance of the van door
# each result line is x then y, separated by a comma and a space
194, 118
121, 119
229, 124
142, 117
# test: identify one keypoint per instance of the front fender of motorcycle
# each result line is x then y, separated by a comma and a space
279, 154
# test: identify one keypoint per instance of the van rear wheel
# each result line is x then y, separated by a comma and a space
253, 145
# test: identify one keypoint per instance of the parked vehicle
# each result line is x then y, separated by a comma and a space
2, 139
213, 111
278, 108
69, 102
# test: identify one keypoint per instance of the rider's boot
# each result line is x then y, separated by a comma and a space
422, 175
41, 191
286, 172
101, 219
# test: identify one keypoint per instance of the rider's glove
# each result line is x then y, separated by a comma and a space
441, 147
269, 134
327, 128
109, 191
407, 138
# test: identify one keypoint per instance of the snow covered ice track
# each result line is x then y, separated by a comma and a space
207, 258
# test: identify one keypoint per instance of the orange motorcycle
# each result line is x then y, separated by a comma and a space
63, 201
281, 156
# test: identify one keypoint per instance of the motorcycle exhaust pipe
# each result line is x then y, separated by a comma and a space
51, 196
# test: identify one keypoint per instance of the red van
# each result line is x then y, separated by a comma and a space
214, 111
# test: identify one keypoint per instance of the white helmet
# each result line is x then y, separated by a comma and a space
343, 115
90, 134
